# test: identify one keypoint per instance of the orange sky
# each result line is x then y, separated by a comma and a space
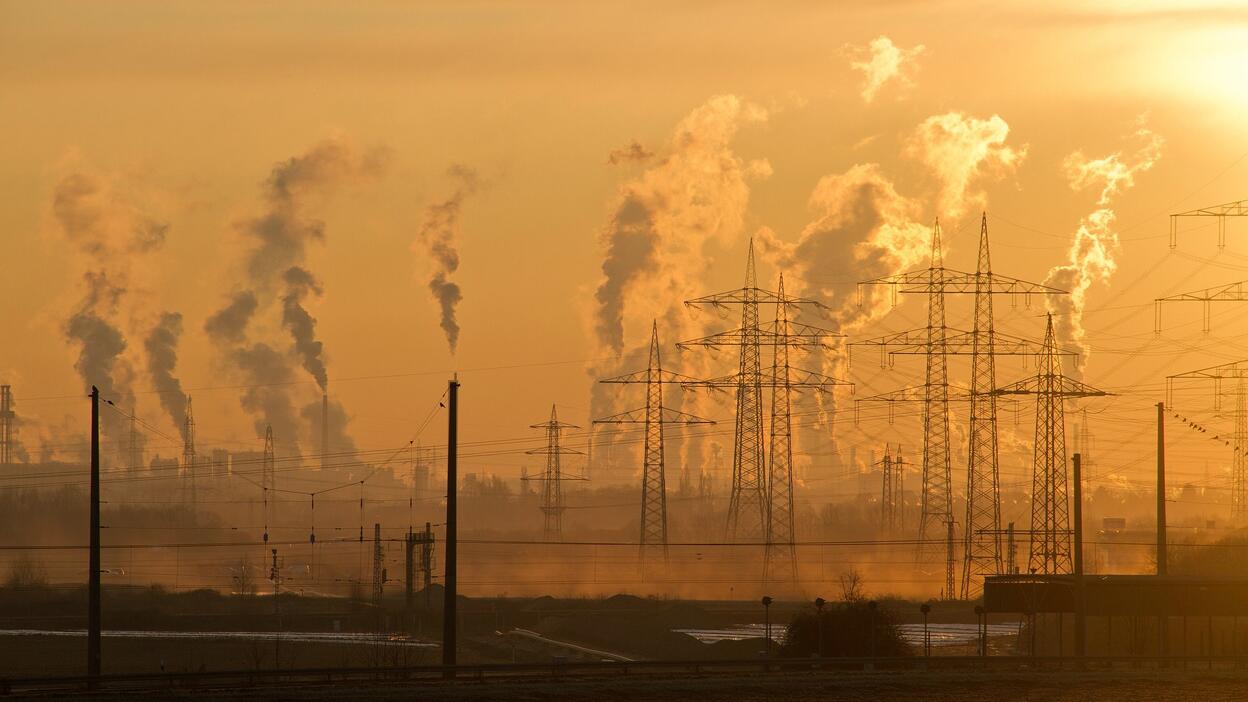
182, 110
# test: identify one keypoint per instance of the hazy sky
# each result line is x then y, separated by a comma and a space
725, 119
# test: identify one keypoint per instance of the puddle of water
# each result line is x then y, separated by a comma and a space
941, 634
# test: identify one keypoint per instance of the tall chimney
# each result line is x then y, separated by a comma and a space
324, 428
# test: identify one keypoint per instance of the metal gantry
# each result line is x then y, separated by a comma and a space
1050, 495
981, 554
654, 416
1221, 212
1237, 371
552, 477
1232, 292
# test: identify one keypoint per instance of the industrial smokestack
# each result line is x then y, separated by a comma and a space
324, 427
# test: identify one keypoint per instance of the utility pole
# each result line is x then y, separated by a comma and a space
452, 488
1050, 501
1161, 488
1080, 602
653, 417
93, 560
379, 570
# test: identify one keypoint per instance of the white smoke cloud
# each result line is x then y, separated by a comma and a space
1091, 257
882, 61
959, 150
654, 241
695, 191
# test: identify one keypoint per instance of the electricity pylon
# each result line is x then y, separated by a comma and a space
654, 416
1221, 212
552, 477
268, 480
1237, 371
1050, 499
892, 505
776, 485
1232, 292
188, 454
937, 341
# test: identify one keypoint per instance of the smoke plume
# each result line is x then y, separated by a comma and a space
959, 149
437, 238
278, 281
229, 324
633, 152
654, 240
112, 237
161, 345
1091, 255
882, 61
301, 325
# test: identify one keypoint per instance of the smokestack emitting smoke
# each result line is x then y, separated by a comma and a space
281, 234
1091, 254
437, 237
324, 427
111, 235
161, 345
882, 61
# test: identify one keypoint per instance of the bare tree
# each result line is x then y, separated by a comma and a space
25, 573
852, 589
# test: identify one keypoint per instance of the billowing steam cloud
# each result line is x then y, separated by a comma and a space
277, 276
882, 61
959, 149
863, 228
655, 249
1091, 255
161, 345
112, 236
662, 220
301, 325
437, 239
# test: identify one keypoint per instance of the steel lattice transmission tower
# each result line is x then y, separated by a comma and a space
1237, 371
188, 454
653, 417
937, 341
1231, 292
552, 477
892, 505
8, 420
749, 512
1220, 212
268, 480
379, 569
776, 487
1050, 499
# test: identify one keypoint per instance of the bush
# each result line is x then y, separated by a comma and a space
849, 629
26, 573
